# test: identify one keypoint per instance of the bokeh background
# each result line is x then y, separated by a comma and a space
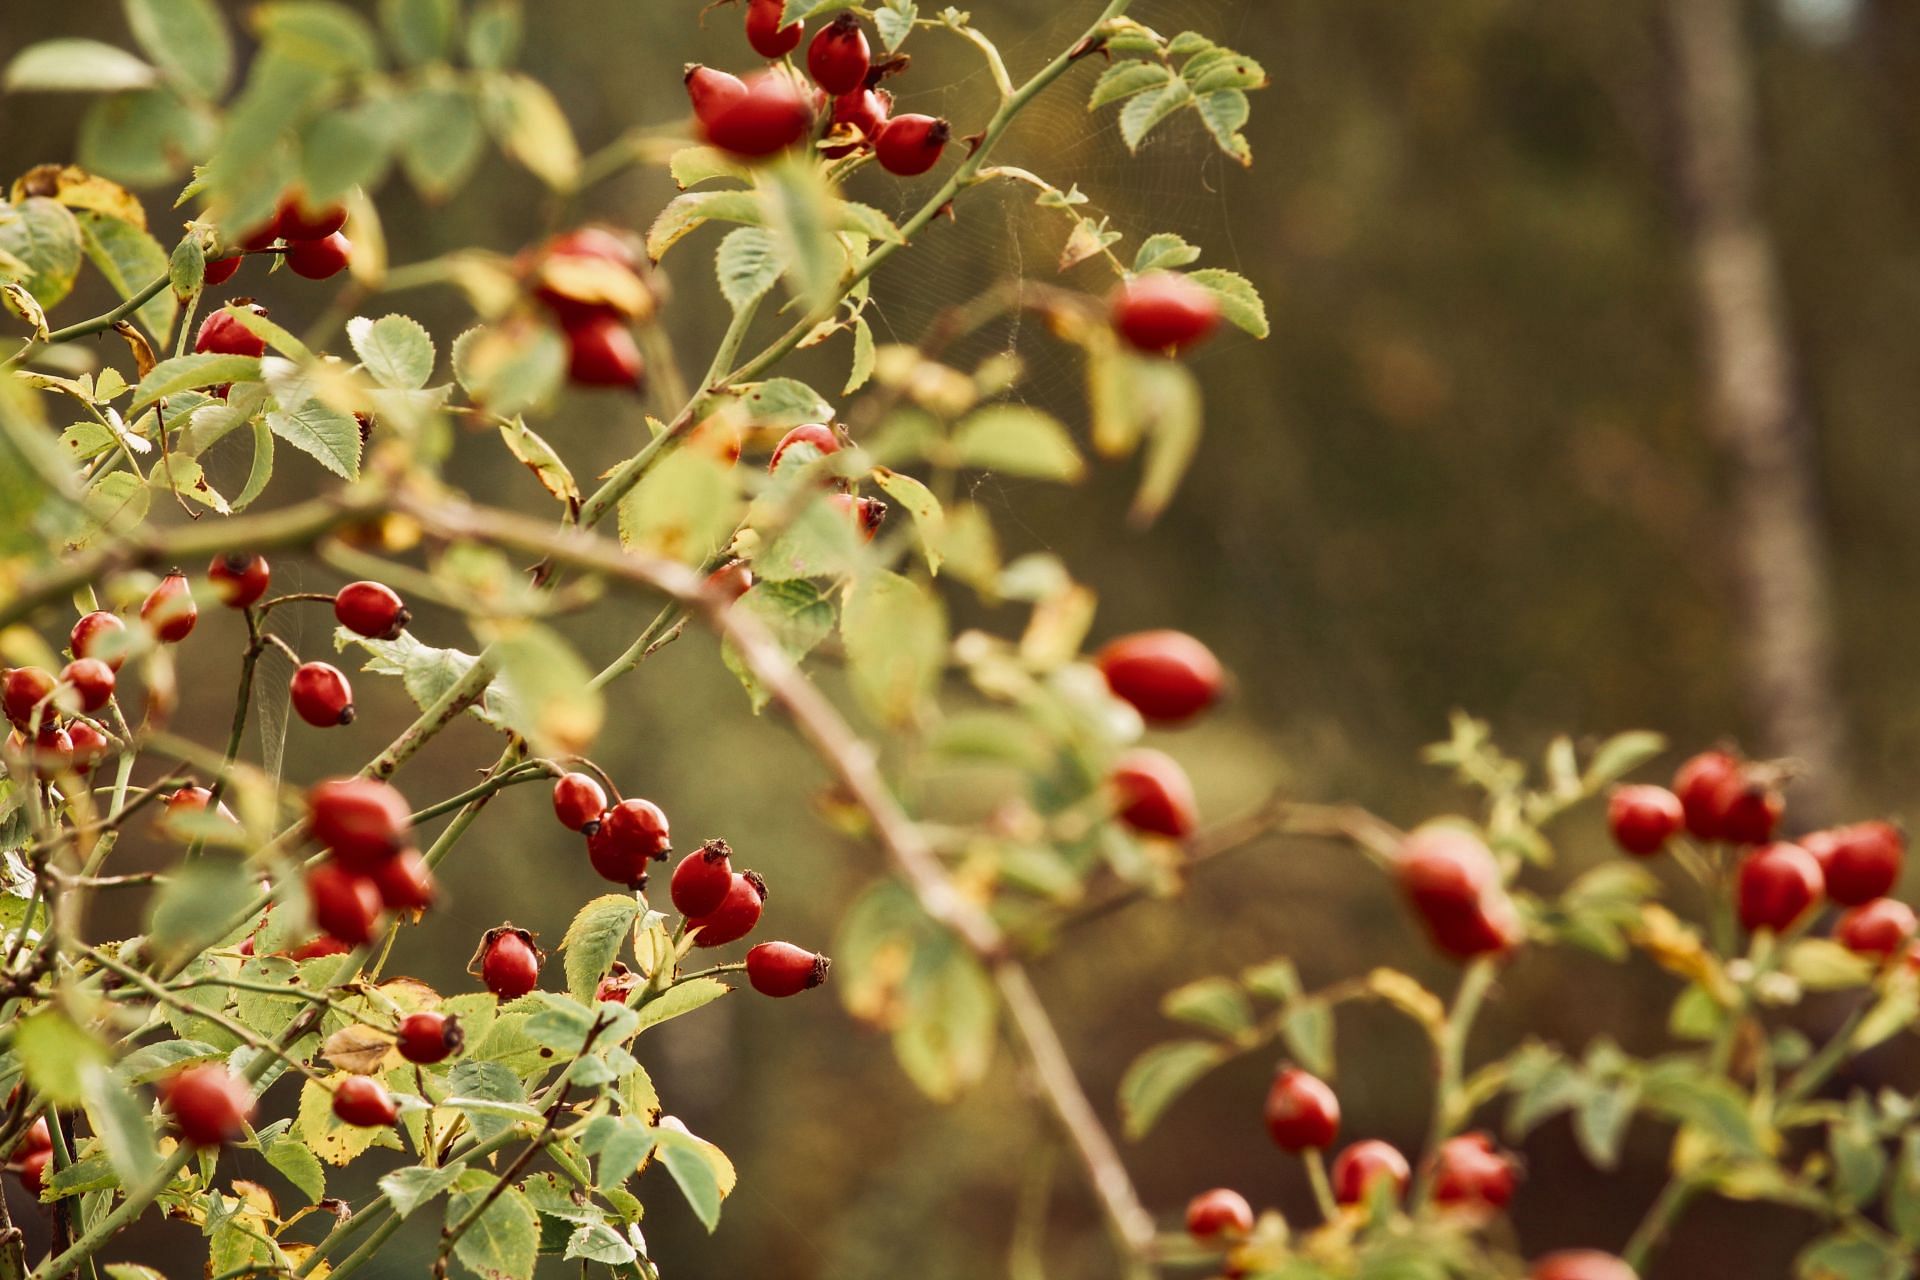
1470, 469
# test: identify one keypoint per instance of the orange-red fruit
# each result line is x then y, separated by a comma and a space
90, 746
1697, 783
839, 56
37, 1138
509, 964
52, 751
770, 115
764, 32
1860, 862
33, 1171
864, 110
585, 242
909, 145
371, 609
618, 986
578, 801
1168, 676
24, 690
1163, 311
601, 352
322, 695
1747, 808
169, 610
1580, 1264
363, 821
221, 270
318, 947
364, 1102
99, 635
1221, 1212
701, 881
209, 1105
295, 222
865, 514
1777, 885
817, 434
781, 969
239, 580
91, 681
736, 915
731, 580
1358, 1168
1453, 882
192, 800
1878, 928
1643, 818
712, 92
1153, 793
631, 834
428, 1037
405, 882
221, 334
1302, 1112
1471, 1171
319, 259
346, 904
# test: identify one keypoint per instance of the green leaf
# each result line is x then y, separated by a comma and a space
894, 21
157, 1061
1821, 964
1620, 755
686, 213
1239, 301
193, 909
539, 457
118, 1117
532, 129
145, 137
866, 357
75, 65
489, 1094
929, 520
419, 30
681, 997
425, 671
1307, 1027
510, 367
1164, 252
1159, 1076
441, 139
1125, 79
116, 503
620, 1144
691, 166
1146, 111
797, 614
1225, 113
183, 373
785, 402
493, 33
682, 1156
1600, 1120
1859, 1161
945, 1037
318, 33
593, 941
55, 1054
799, 206
187, 40
1903, 1189
1714, 1106
395, 349
325, 434
128, 259
347, 148
544, 692
895, 632
1846, 1256
300, 1167
408, 1189
1216, 1004
88, 1173
187, 268
43, 234
1017, 440
598, 1242
684, 508
748, 263
504, 1241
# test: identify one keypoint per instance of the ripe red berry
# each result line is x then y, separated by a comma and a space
193, 800
429, 1036
864, 111
91, 680
1580, 1264
1860, 862
701, 881
1453, 882
1361, 1166
909, 145
574, 297
322, 695
346, 904
1471, 1172
371, 609
509, 963
711, 92
618, 986
319, 259
815, 434
318, 947
770, 115
631, 834
731, 580
736, 915
405, 882
220, 270
1697, 783
1168, 676
578, 801
90, 746
1217, 1213
364, 1102
1643, 818
238, 580
169, 610
1877, 928
1153, 793
782, 969
1747, 807
865, 514
363, 821
1302, 1112
209, 1105
764, 32
37, 1138
25, 692
1777, 884
839, 56
1163, 310
52, 753
601, 352
33, 1171
295, 222
99, 635
221, 334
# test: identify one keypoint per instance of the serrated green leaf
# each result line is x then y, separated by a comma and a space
1159, 1076
532, 128
681, 998
119, 1120
929, 520
1145, 112
748, 263
323, 433
55, 1054
408, 1189
594, 939
1164, 251
442, 139
1225, 113
1126, 79
43, 234
544, 691
1017, 440
795, 612
144, 137
682, 1157
419, 30
1216, 1004
188, 40
128, 259
894, 21
685, 508
395, 349
504, 1241
1240, 302
183, 373
895, 633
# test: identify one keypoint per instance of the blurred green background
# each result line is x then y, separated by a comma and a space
1468, 470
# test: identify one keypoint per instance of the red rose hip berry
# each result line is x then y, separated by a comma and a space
221, 270
364, 1102
839, 56
781, 969
601, 352
1580, 1264
1471, 1172
1860, 862
239, 580
1643, 818
99, 635
27, 690
817, 434
1302, 1112
1747, 806
1777, 885
701, 881
221, 334
764, 32
1878, 928
346, 904
578, 801
1697, 783
169, 611
631, 834
319, 259
363, 821
736, 915
405, 882
1153, 793
1365, 1164
712, 92
509, 963
909, 145
1221, 1213
865, 111
295, 221
90, 746
1453, 882
428, 1037
770, 115
371, 609
91, 680
322, 695
209, 1105
1163, 311
1168, 676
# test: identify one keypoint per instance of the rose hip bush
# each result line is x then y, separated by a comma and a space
161, 459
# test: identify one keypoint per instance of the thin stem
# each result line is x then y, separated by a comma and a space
1449, 1058
1661, 1215
461, 694
1322, 1188
106, 320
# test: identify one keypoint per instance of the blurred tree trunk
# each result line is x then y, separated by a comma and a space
1775, 528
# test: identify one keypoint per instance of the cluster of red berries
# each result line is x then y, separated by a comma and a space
804, 446
322, 695
772, 110
371, 865
1719, 798
1169, 678
31, 1155
315, 247
590, 280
